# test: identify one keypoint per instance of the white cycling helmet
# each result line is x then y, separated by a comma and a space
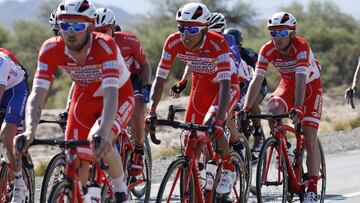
82, 9
53, 18
196, 13
217, 22
282, 20
104, 16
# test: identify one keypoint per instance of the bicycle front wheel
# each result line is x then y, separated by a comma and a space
172, 187
61, 192
54, 172
271, 174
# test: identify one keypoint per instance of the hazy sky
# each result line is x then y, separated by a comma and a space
264, 7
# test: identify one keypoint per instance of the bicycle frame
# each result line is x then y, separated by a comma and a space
293, 171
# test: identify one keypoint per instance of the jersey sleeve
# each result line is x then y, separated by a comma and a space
113, 64
46, 65
263, 62
223, 62
167, 57
4, 69
302, 59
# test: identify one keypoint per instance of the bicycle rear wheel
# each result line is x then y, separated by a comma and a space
271, 180
7, 181
322, 173
172, 187
54, 172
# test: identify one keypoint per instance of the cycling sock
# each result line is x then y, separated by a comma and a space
19, 181
139, 149
313, 184
18, 175
227, 164
119, 184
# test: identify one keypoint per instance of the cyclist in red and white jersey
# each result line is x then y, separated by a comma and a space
103, 99
207, 55
13, 95
136, 60
299, 89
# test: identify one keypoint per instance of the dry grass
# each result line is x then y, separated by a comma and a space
40, 168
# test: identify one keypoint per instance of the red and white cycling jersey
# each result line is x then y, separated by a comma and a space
104, 65
300, 60
10, 54
131, 50
211, 62
11, 73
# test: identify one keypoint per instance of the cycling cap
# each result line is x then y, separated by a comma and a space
196, 13
282, 20
104, 16
82, 9
217, 22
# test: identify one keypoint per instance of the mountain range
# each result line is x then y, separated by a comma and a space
12, 10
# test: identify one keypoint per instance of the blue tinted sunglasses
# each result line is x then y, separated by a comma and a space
280, 33
190, 30
76, 27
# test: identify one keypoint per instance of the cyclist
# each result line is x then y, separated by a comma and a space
349, 93
103, 99
13, 95
217, 24
299, 89
207, 55
250, 57
136, 60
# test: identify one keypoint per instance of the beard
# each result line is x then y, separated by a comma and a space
71, 45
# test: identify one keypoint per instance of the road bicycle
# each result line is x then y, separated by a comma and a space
181, 182
279, 176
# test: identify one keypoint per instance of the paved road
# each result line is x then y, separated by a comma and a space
343, 179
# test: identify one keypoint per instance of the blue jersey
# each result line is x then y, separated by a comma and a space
233, 48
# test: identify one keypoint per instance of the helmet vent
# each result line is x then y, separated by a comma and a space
84, 6
197, 13
285, 18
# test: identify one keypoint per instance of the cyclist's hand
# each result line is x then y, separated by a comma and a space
244, 121
23, 140
218, 128
151, 120
349, 95
176, 90
298, 114
63, 116
146, 93
101, 143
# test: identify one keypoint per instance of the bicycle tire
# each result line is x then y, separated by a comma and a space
263, 161
322, 175
59, 160
179, 163
144, 191
64, 187
5, 186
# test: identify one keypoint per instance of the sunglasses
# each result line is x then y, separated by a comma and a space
76, 27
280, 33
190, 30
103, 29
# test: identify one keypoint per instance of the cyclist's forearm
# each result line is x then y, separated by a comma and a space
109, 109
145, 73
33, 109
224, 99
356, 76
300, 89
156, 92
68, 100
253, 92
187, 74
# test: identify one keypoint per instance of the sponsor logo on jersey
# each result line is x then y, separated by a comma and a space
105, 46
42, 66
111, 64
223, 57
130, 38
263, 59
166, 56
201, 67
302, 55
173, 43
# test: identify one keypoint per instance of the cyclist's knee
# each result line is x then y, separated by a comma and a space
276, 108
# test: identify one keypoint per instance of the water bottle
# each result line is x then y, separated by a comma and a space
94, 193
211, 168
202, 173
